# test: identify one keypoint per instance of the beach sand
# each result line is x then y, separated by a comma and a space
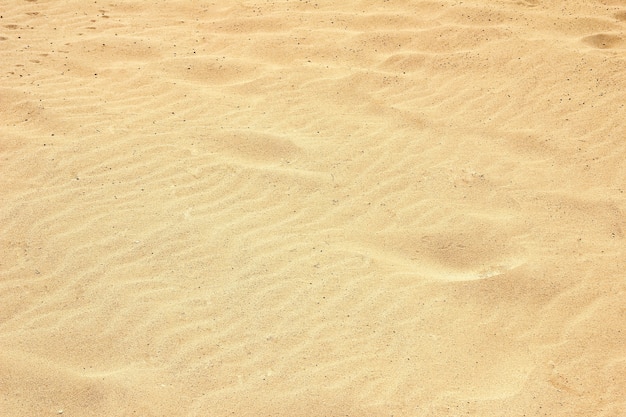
300, 208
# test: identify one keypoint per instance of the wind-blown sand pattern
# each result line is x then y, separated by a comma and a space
300, 208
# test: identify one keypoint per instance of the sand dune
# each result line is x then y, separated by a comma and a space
301, 208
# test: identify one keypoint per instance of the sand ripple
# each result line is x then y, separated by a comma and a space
300, 208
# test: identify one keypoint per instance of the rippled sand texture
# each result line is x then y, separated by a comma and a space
291, 208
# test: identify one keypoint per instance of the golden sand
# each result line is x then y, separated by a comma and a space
300, 208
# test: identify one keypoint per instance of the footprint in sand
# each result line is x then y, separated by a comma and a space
477, 252
603, 40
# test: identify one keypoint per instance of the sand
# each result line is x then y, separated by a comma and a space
300, 208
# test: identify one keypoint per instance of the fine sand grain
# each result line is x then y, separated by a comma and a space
301, 208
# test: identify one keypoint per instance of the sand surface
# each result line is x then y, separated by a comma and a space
301, 208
